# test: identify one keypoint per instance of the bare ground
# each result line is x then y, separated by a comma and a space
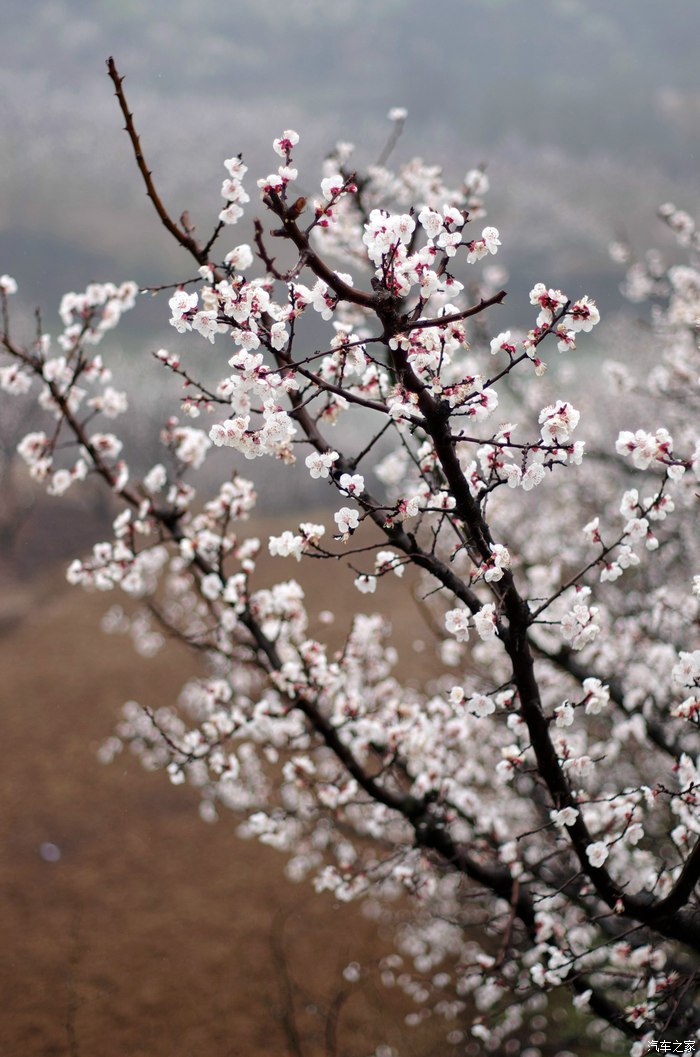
154, 934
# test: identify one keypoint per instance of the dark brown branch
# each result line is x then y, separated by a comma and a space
318, 266
455, 317
682, 889
181, 234
328, 387
215, 234
269, 261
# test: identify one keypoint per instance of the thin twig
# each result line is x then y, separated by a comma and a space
182, 235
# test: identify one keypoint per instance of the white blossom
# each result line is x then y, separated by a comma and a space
597, 853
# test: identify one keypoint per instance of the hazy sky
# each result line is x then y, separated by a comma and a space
587, 112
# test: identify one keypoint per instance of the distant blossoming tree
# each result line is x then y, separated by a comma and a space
538, 798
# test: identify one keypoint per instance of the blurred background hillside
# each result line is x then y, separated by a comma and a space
587, 113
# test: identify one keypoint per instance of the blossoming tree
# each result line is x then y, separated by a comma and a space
537, 799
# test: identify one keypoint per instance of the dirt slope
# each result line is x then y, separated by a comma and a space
153, 933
